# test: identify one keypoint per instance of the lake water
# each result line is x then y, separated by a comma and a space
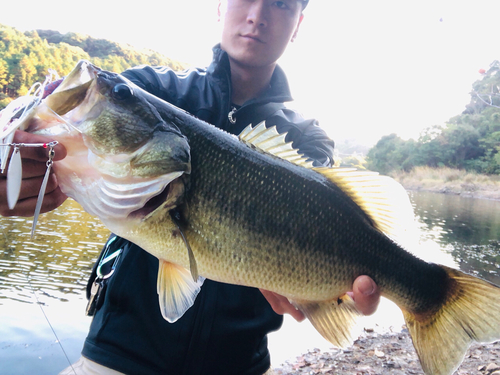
42, 280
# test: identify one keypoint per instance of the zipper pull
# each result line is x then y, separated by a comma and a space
230, 115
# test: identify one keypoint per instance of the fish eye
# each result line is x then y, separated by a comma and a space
122, 91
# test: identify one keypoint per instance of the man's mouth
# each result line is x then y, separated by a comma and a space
252, 37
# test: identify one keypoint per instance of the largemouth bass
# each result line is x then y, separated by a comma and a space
252, 211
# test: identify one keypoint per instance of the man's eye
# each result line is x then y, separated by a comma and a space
281, 4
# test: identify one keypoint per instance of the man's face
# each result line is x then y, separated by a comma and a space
256, 32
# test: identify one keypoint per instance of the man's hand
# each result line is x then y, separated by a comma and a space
364, 293
34, 166
281, 305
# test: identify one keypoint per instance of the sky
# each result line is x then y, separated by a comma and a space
363, 68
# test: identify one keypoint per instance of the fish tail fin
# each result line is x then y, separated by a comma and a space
469, 313
334, 320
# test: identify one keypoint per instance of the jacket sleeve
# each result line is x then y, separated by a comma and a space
306, 135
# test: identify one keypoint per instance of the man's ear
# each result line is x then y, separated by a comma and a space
297, 28
221, 10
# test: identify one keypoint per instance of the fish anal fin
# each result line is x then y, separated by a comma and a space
469, 314
177, 290
334, 320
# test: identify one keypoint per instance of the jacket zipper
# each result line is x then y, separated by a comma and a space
230, 115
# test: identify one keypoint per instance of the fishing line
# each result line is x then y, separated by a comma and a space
50, 325
41, 308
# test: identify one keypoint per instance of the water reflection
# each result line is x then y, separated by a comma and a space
55, 265
45, 276
465, 229
56, 262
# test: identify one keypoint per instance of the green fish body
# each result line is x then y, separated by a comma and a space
253, 212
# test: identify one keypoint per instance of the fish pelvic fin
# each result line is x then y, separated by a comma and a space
470, 313
177, 290
334, 320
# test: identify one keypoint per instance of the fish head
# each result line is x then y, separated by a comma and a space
125, 162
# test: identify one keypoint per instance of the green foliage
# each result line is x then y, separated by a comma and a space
392, 153
25, 58
469, 141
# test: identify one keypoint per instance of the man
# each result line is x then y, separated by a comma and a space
225, 331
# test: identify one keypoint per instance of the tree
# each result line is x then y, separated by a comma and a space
25, 58
386, 155
468, 141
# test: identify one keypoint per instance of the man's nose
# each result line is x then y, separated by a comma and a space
257, 13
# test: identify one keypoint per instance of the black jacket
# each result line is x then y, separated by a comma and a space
225, 332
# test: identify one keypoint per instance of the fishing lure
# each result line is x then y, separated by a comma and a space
15, 173
14, 117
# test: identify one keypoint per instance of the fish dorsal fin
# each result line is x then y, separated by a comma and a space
176, 290
383, 199
268, 140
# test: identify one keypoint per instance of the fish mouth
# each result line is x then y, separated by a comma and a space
73, 89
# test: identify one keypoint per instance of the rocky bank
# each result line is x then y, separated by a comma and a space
388, 353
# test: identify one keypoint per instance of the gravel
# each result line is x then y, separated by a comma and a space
387, 353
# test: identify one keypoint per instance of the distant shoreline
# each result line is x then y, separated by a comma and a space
450, 181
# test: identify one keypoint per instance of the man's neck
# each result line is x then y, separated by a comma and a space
248, 83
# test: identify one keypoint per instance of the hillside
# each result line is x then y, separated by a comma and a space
469, 141
25, 58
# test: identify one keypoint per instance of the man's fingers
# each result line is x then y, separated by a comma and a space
26, 207
366, 295
281, 305
29, 195
31, 168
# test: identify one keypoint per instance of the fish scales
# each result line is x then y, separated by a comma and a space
209, 205
248, 211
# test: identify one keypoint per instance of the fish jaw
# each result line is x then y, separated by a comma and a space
124, 164
73, 89
109, 186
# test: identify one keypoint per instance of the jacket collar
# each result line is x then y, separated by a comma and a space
279, 90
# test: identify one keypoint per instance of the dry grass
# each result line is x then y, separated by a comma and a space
452, 181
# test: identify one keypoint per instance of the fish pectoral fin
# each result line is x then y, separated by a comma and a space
469, 313
177, 290
334, 320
